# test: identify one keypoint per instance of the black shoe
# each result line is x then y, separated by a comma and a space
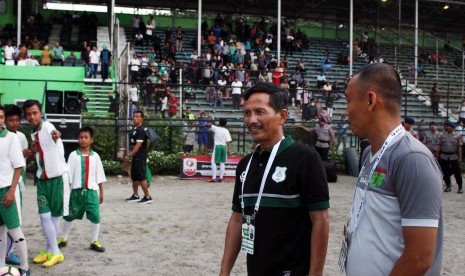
145, 200
220, 180
448, 189
460, 191
133, 198
212, 180
24, 272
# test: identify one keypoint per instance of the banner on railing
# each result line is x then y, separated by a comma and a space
199, 167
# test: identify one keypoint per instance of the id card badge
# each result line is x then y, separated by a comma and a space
248, 234
344, 250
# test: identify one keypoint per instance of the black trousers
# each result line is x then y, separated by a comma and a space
323, 153
450, 167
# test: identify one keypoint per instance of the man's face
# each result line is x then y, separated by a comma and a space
33, 115
85, 140
137, 119
407, 126
433, 127
355, 111
13, 122
261, 120
2, 118
188, 111
448, 128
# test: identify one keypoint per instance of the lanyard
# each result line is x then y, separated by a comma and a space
395, 133
265, 175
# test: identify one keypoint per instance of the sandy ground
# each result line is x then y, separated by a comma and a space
182, 232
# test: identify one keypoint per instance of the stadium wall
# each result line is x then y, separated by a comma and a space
24, 82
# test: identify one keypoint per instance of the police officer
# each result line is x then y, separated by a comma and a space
450, 155
430, 138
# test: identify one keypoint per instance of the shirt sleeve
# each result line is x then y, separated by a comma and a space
418, 184
101, 178
72, 166
16, 153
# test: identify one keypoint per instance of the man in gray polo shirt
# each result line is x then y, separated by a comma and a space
395, 224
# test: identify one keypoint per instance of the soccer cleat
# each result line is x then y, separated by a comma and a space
54, 259
448, 189
97, 246
24, 272
12, 259
41, 258
133, 198
62, 242
145, 200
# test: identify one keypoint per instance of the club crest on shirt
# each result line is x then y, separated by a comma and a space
242, 177
279, 174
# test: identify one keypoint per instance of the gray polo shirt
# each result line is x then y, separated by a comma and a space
405, 190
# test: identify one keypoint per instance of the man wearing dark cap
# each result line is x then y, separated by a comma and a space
450, 155
408, 125
431, 139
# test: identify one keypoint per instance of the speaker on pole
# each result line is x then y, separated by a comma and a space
54, 102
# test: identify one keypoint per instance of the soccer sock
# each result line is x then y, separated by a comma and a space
56, 224
10, 245
20, 241
95, 229
3, 239
222, 167
50, 233
66, 229
213, 170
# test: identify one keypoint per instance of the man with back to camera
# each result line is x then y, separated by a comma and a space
395, 224
280, 214
138, 153
222, 140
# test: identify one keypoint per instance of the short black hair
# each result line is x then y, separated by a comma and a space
278, 96
385, 80
140, 112
12, 110
223, 122
30, 103
2, 108
86, 129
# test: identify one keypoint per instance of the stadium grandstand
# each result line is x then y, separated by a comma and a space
198, 52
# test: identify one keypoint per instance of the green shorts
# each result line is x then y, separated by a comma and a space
50, 196
220, 154
84, 201
9, 216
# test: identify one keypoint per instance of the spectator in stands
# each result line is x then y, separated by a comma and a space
46, 56
71, 59
292, 83
179, 39
289, 46
135, 23
32, 61
320, 80
157, 46
150, 29
36, 45
330, 104
325, 64
58, 55
219, 99
85, 51
172, 105
435, 98
94, 59
189, 91
138, 39
8, 51
202, 131
135, 67
236, 86
421, 70
327, 87
105, 62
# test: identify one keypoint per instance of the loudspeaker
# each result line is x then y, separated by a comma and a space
53, 102
72, 102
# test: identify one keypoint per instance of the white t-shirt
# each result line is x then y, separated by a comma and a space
94, 57
221, 136
236, 87
11, 157
9, 51
94, 170
133, 93
222, 82
50, 155
135, 64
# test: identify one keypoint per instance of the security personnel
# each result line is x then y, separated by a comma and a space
450, 155
431, 138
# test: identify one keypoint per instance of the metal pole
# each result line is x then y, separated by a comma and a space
112, 27
437, 60
395, 57
351, 37
279, 34
448, 96
416, 42
199, 28
180, 91
463, 76
405, 99
18, 25
400, 19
